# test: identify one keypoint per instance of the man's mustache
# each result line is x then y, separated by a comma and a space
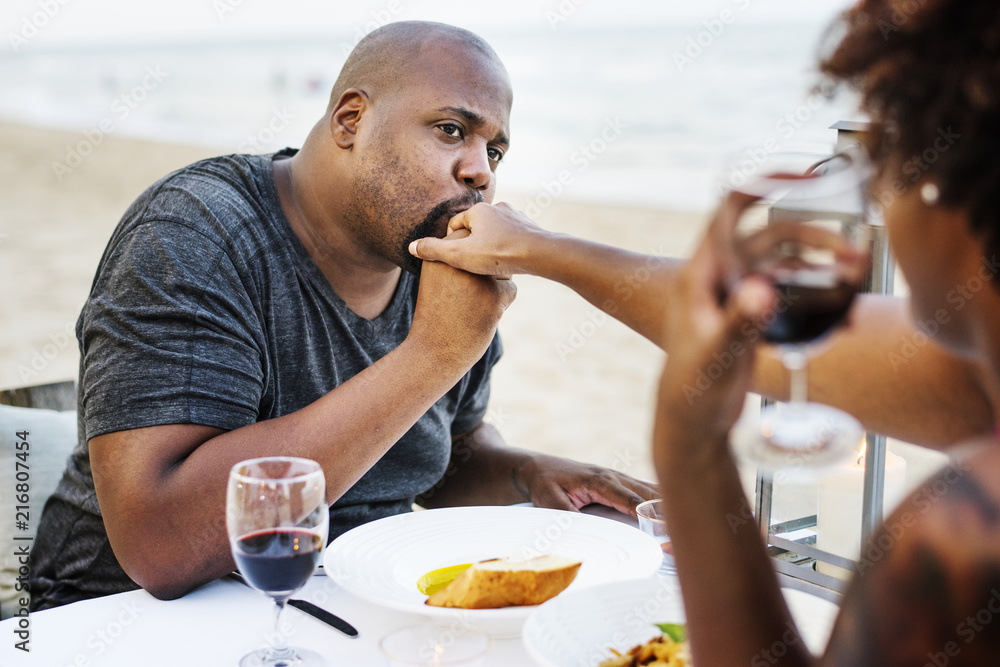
449, 208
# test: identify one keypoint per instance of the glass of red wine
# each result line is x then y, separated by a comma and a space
277, 517
811, 240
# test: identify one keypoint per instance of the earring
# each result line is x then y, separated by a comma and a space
930, 194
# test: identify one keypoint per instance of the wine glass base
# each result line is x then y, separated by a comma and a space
796, 442
298, 658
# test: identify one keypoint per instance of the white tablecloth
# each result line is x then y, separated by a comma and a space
221, 621
214, 625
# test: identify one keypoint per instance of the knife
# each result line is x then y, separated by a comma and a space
311, 609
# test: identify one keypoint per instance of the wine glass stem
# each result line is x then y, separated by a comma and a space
279, 647
795, 361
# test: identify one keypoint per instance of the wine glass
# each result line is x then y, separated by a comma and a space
277, 517
814, 249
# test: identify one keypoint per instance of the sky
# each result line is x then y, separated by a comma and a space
54, 24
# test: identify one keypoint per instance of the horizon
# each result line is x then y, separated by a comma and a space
56, 25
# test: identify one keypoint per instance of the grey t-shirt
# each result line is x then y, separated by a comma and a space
207, 309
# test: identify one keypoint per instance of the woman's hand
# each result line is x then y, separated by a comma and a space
711, 329
499, 241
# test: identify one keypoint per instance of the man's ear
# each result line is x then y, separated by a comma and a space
346, 116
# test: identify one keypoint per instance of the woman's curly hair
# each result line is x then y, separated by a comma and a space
928, 72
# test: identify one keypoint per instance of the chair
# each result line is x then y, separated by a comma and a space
45, 417
55, 396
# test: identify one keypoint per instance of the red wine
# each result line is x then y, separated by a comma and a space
279, 559
805, 313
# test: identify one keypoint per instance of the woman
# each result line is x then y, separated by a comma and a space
929, 75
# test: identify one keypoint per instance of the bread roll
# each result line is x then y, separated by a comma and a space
501, 582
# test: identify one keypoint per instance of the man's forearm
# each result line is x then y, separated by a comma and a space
166, 517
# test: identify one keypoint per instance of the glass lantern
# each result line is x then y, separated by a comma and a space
814, 530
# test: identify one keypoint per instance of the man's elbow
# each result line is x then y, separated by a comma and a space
166, 589
160, 567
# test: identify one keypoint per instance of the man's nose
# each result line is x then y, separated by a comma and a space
474, 168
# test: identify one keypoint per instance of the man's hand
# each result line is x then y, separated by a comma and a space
485, 471
457, 312
499, 241
558, 483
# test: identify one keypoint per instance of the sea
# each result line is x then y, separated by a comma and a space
628, 115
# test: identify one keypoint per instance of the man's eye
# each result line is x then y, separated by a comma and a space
451, 130
495, 154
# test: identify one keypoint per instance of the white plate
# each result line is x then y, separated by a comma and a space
580, 628
381, 561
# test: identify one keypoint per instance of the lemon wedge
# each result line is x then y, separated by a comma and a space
437, 579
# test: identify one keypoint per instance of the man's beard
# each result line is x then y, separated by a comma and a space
435, 224
383, 195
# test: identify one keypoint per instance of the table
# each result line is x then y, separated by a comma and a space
221, 621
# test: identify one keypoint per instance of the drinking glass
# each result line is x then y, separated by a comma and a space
277, 517
653, 522
814, 249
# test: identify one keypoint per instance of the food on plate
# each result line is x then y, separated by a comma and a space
437, 579
502, 582
668, 650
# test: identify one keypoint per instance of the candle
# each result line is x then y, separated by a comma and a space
841, 496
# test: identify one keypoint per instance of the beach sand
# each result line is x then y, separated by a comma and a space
571, 382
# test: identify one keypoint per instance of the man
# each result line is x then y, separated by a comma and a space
250, 306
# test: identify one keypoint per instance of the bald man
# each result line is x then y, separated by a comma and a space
257, 305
